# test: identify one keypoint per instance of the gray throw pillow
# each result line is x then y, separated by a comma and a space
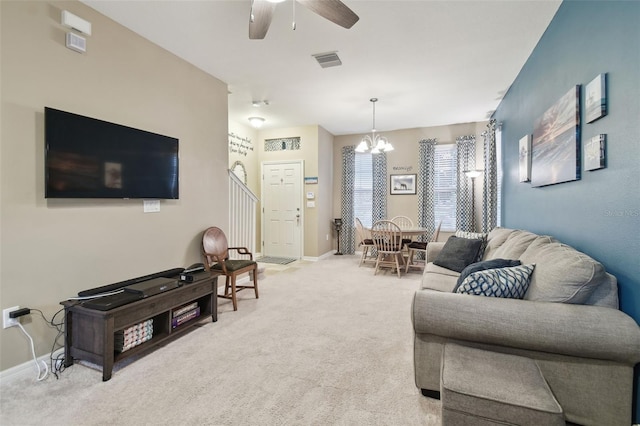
477, 236
483, 266
457, 253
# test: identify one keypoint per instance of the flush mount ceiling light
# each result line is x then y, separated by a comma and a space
256, 122
374, 142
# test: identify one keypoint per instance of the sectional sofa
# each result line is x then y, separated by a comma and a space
568, 322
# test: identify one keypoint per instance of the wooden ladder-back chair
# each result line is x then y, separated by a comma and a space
403, 222
419, 246
215, 249
366, 243
387, 238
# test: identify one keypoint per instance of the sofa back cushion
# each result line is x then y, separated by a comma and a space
562, 273
495, 239
515, 244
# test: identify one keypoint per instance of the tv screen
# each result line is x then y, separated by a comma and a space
90, 158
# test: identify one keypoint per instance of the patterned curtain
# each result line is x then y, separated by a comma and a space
380, 191
425, 185
347, 233
490, 193
466, 151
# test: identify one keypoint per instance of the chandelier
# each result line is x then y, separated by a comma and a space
375, 142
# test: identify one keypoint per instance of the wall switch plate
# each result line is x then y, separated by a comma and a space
6, 320
151, 206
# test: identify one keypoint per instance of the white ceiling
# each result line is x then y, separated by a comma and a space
429, 62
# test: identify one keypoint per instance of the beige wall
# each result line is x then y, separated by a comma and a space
51, 249
317, 154
248, 154
404, 160
324, 192
309, 152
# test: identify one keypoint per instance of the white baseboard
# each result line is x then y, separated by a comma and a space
26, 369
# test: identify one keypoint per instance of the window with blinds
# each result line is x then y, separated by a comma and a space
444, 204
363, 188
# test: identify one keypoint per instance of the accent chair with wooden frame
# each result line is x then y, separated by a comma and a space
387, 237
215, 249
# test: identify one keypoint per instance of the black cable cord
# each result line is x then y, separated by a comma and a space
56, 363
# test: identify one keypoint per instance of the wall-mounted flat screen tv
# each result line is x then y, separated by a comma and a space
90, 158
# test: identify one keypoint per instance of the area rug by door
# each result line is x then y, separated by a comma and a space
273, 259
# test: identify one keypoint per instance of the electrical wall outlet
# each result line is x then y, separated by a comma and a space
9, 322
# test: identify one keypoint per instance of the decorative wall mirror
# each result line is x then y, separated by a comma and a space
238, 169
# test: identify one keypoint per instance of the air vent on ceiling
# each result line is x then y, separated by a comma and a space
329, 59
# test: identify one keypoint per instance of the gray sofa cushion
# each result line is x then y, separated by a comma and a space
494, 388
516, 243
562, 273
438, 278
495, 239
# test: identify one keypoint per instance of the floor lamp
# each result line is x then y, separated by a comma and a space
338, 225
473, 174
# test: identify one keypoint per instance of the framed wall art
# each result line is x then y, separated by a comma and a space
556, 142
595, 98
403, 184
595, 153
524, 156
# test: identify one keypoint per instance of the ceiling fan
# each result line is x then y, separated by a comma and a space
333, 10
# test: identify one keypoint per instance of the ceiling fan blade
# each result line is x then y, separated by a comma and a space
260, 18
333, 10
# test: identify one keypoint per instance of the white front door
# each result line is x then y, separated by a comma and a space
282, 209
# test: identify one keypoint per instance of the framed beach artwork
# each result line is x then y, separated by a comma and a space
595, 98
595, 153
403, 184
555, 146
524, 157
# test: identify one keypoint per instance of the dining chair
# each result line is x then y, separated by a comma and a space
215, 249
387, 237
404, 222
420, 247
366, 243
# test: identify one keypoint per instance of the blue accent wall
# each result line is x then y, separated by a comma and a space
599, 214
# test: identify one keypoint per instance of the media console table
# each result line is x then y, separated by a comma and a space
90, 333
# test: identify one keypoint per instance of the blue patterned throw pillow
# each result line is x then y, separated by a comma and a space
482, 266
510, 282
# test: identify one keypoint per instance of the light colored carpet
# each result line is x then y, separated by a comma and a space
327, 343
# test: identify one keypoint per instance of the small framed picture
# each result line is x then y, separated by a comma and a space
595, 98
403, 184
595, 153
